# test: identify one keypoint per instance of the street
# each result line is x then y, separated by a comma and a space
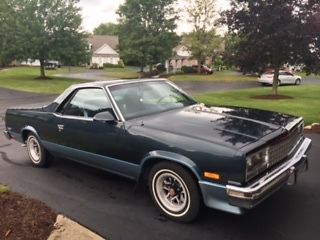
115, 209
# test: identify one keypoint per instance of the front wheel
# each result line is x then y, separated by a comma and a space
174, 191
298, 81
36, 152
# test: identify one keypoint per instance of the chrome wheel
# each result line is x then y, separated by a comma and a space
175, 191
171, 192
34, 149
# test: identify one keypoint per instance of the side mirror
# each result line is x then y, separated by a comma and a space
104, 117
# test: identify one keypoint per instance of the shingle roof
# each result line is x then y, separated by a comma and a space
97, 41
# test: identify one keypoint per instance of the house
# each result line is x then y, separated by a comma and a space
181, 56
103, 49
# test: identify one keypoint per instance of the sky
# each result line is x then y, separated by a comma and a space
95, 12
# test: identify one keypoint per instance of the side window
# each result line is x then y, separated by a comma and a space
87, 103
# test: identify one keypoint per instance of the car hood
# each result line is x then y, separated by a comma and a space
233, 127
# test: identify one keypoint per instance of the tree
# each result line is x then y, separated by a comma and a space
271, 33
107, 29
311, 57
203, 40
147, 31
47, 30
9, 32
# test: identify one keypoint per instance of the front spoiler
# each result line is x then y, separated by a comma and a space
249, 196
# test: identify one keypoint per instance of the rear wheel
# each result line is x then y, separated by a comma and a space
37, 154
298, 81
174, 191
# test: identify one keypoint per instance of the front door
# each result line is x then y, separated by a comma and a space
83, 139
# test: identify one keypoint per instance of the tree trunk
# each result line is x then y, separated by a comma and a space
141, 68
42, 71
199, 66
275, 81
150, 68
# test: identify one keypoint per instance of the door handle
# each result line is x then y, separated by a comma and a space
60, 127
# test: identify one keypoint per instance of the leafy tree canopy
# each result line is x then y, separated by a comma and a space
107, 29
45, 30
203, 40
147, 31
271, 33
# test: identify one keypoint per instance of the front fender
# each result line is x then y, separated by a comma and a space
172, 157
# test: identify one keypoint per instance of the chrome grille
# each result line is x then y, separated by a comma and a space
281, 147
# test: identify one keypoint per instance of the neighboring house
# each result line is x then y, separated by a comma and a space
181, 56
103, 49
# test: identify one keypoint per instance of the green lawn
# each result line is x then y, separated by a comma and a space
223, 76
123, 73
305, 103
23, 79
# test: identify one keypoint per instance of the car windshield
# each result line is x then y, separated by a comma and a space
144, 98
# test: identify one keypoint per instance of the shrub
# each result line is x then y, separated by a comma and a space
121, 63
186, 69
94, 66
110, 65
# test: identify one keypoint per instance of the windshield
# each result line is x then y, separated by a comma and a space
144, 98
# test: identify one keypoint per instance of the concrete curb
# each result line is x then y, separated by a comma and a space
313, 128
66, 229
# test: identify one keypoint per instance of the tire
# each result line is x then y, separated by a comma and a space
279, 82
37, 154
298, 81
165, 180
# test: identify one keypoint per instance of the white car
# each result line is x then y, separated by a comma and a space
285, 77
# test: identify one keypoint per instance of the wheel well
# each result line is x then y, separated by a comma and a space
25, 134
143, 179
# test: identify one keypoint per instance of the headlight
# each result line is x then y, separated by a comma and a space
257, 162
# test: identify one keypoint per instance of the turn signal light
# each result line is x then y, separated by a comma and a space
213, 176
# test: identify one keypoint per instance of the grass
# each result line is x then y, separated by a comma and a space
3, 189
121, 73
305, 103
23, 79
223, 76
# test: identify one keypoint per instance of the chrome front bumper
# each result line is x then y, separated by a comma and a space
249, 196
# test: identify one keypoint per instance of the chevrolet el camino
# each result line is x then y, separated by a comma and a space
152, 132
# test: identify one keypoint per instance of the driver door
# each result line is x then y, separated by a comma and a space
82, 138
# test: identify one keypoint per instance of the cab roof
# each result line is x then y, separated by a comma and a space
101, 84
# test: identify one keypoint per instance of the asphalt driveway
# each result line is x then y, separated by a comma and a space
112, 207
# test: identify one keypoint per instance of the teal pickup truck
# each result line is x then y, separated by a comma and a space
150, 131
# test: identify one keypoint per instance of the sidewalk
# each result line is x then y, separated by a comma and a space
66, 229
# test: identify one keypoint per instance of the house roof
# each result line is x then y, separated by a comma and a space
181, 51
105, 49
97, 41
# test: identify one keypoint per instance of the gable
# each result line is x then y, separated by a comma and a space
105, 49
97, 41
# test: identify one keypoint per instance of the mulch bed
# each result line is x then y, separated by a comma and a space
272, 97
313, 129
23, 218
